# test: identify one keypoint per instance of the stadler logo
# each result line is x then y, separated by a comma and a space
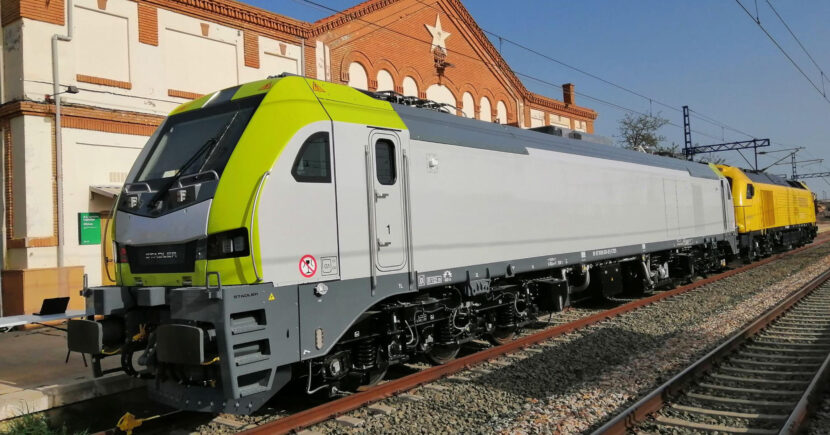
245, 295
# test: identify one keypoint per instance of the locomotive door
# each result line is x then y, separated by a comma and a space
387, 200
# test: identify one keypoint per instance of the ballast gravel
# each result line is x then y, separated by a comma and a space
820, 422
578, 380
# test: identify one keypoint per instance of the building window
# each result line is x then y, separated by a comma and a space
468, 105
485, 112
501, 112
410, 88
441, 94
357, 76
385, 81
313, 164
385, 162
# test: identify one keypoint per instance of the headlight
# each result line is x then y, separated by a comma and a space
228, 244
132, 201
182, 196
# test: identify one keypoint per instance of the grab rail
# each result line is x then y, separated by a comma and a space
251, 227
370, 204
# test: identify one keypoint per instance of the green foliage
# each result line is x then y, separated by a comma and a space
32, 424
640, 133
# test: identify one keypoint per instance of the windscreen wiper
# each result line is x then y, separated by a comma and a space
208, 146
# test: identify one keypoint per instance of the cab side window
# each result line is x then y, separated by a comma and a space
750, 191
313, 163
385, 162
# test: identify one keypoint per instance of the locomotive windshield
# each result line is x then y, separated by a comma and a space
197, 141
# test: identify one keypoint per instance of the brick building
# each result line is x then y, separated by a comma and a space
133, 61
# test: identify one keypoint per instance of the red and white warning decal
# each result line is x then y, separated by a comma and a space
308, 266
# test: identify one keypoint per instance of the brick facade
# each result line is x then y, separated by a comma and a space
148, 24
102, 81
48, 11
391, 35
251, 48
387, 35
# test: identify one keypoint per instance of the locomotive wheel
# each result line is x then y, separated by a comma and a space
442, 354
375, 375
502, 335
359, 382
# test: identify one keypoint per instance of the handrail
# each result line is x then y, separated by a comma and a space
251, 227
370, 201
407, 221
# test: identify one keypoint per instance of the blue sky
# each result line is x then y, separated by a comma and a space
707, 54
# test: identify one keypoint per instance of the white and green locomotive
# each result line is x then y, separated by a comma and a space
294, 228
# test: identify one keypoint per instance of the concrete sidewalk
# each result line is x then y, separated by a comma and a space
34, 377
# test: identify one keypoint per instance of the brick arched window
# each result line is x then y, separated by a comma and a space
357, 76
501, 112
485, 112
385, 81
410, 87
468, 105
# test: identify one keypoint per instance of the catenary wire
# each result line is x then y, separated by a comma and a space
650, 99
780, 18
784, 52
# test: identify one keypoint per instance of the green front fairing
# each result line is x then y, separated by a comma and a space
289, 106
291, 103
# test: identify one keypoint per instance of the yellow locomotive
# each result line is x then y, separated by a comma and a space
771, 213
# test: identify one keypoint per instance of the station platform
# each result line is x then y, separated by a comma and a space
35, 375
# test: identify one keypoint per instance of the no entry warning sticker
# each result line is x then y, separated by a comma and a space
308, 266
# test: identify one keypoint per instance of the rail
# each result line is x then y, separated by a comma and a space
678, 385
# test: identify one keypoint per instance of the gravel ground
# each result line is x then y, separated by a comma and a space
732, 365
820, 423
575, 382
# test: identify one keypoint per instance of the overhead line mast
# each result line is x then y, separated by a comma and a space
689, 151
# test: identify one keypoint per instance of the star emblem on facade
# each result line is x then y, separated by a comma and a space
439, 35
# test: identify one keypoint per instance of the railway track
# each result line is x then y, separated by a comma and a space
763, 380
563, 323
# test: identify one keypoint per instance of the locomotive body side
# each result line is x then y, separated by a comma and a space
771, 213
489, 197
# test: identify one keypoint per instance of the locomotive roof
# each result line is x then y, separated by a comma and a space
433, 126
763, 177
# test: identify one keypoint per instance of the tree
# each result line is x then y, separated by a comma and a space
639, 133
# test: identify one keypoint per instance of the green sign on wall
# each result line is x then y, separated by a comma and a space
89, 228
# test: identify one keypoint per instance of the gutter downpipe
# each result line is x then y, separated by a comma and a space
59, 137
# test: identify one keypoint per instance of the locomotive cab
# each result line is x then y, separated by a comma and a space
162, 214
196, 307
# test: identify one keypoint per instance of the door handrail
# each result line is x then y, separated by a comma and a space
407, 220
251, 226
370, 202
